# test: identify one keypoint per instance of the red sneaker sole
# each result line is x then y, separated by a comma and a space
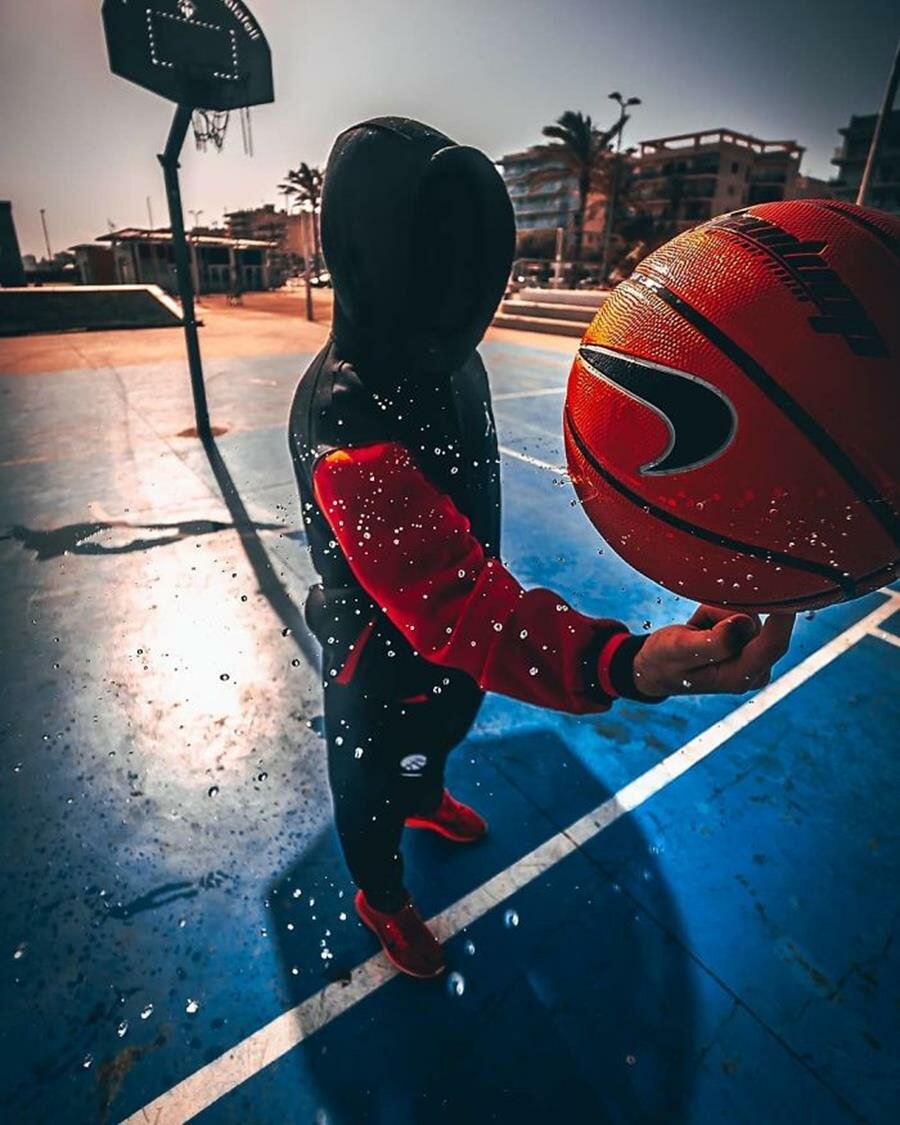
414, 822
397, 965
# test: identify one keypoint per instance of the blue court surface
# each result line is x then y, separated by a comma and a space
683, 913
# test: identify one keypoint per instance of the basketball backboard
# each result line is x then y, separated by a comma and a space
208, 54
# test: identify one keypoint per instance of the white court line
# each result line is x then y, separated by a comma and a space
201, 1089
528, 394
884, 635
533, 460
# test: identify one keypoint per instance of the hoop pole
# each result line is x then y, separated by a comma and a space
169, 161
889, 94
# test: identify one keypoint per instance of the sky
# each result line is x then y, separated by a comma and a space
82, 143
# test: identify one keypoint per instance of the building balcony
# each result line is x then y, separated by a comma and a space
654, 174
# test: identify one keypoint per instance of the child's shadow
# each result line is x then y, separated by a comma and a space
576, 1006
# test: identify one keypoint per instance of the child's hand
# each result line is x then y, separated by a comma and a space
717, 651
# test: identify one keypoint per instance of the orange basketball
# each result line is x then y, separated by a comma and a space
732, 421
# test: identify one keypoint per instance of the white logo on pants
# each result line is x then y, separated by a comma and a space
412, 765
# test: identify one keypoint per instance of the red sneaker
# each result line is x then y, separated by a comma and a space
452, 819
408, 943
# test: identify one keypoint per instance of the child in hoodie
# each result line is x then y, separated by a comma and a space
395, 451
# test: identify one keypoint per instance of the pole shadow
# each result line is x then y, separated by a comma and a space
268, 582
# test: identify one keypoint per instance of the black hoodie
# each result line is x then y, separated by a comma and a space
418, 235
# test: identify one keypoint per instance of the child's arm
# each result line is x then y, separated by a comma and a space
413, 552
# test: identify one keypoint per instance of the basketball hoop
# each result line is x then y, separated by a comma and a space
209, 126
196, 53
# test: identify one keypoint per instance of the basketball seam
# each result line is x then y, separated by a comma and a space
832, 574
807, 425
862, 583
887, 240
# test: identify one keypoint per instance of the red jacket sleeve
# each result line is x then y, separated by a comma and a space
413, 552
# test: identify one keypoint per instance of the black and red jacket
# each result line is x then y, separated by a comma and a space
394, 445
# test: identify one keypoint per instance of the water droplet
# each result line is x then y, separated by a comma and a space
470, 948
810, 615
262, 775
146, 1011
285, 632
295, 663
224, 676
456, 984
192, 1007
122, 1028
510, 919
19, 952
87, 1060
630, 1059
358, 752
213, 791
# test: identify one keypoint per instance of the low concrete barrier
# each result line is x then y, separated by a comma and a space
85, 308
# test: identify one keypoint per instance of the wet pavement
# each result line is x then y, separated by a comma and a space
171, 877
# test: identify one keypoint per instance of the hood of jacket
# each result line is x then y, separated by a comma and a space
418, 235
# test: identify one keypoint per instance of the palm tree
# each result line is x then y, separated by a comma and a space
581, 151
305, 185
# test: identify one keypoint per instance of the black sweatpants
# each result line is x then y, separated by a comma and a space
389, 732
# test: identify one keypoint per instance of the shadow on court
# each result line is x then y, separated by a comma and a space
566, 1002
269, 584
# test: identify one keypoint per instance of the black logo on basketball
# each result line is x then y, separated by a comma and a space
700, 419
804, 270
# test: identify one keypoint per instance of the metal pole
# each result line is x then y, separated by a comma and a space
558, 257
310, 315
46, 236
150, 212
889, 95
192, 240
169, 161
611, 209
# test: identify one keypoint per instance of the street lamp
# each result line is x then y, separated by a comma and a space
46, 236
623, 104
